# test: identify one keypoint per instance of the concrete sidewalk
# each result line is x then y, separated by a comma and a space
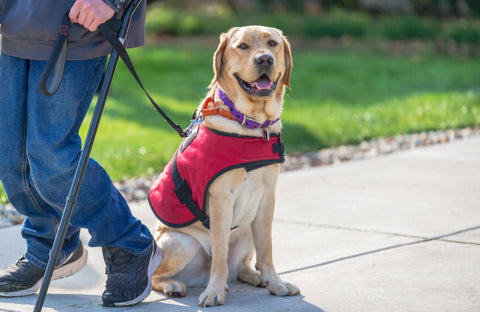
393, 233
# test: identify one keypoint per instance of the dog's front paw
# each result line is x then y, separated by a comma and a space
175, 289
251, 277
283, 289
169, 287
212, 296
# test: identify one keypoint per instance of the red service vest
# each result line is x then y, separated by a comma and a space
178, 196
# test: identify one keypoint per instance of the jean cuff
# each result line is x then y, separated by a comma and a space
146, 251
42, 264
35, 261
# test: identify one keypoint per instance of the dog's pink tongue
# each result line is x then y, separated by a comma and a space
263, 83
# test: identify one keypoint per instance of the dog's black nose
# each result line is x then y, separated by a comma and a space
264, 60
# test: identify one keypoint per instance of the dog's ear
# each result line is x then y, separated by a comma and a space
218, 58
288, 62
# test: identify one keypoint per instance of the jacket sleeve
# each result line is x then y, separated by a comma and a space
115, 4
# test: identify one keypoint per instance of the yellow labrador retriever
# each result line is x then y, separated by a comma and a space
231, 219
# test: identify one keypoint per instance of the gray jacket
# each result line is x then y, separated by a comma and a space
29, 28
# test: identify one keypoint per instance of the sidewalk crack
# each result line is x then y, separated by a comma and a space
423, 240
346, 228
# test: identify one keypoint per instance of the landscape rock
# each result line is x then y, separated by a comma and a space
136, 189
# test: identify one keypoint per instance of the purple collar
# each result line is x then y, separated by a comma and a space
243, 119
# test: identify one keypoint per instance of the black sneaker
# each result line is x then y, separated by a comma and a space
23, 278
129, 276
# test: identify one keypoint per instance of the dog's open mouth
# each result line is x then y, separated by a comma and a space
263, 86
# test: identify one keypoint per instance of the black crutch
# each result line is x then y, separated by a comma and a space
82, 164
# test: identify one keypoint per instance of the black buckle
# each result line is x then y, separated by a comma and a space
279, 148
206, 222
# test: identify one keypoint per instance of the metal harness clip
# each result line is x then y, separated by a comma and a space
266, 134
193, 123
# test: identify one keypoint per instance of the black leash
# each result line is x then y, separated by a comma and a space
109, 30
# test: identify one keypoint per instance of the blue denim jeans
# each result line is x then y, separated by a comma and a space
39, 151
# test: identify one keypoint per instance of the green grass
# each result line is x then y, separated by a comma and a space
348, 97
336, 98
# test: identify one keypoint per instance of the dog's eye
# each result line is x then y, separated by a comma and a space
243, 46
272, 43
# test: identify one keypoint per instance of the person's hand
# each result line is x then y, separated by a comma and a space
90, 13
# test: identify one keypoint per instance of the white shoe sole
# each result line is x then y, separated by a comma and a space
59, 273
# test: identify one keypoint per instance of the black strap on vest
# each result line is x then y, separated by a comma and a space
184, 195
57, 59
279, 148
184, 191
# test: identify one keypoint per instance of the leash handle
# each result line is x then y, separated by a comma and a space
56, 60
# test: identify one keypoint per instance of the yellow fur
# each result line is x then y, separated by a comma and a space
194, 255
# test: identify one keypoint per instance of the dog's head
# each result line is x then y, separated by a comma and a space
252, 64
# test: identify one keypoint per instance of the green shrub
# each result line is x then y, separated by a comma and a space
336, 24
161, 21
288, 23
407, 27
167, 20
474, 6
465, 32
190, 25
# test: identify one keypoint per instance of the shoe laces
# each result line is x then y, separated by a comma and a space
117, 261
22, 262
